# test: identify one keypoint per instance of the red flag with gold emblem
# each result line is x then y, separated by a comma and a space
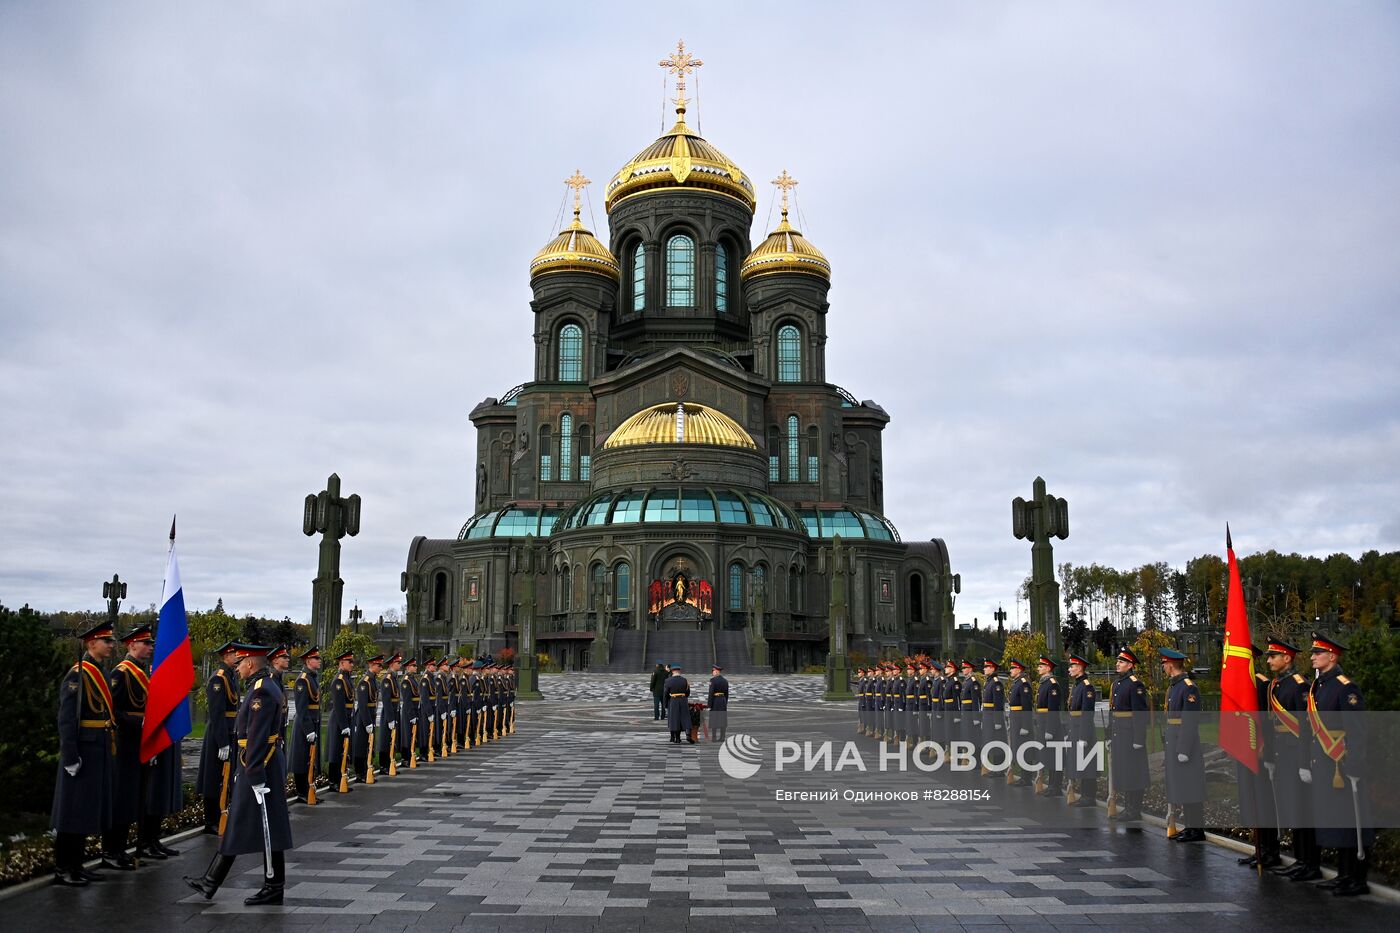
1239, 698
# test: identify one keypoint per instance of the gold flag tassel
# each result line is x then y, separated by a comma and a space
1010, 775
1337, 776
1072, 793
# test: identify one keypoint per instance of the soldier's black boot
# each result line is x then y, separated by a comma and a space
271, 891
1132, 806
68, 861
1355, 883
1309, 866
211, 816
208, 883
148, 840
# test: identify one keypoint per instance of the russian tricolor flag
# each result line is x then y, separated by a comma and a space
167, 718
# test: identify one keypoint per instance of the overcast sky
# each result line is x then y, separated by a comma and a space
1150, 252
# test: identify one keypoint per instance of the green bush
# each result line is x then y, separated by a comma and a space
34, 665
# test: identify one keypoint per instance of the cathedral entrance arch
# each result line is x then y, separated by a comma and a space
680, 593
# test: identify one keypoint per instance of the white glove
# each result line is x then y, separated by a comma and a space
1305, 775
1024, 732
432, 718
310, 738
370, 728
345, 731
1049, 736
1137, 747
393, 727
1182, 758
996, 726
75, 767
223, 753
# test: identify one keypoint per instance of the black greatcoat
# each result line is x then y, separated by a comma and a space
410, 701
221, 698
677, 691
993, 707
1127, 726
83, 804
390, 697
1082, 732
129, 685
308, 721
258, 728
1290, 737
1336, 702
1186, 781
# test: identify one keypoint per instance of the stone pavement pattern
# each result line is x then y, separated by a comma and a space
589, 819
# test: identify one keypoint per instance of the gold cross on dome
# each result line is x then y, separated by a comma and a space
680, 63
785, 183
577, 182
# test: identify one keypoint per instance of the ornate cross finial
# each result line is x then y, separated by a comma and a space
680, 63
577, 182
785, 183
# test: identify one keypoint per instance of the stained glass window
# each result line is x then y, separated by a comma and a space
736, 586
639, 277
570, 353
721, 279
622, 586
789, 354
680, 272
793, 467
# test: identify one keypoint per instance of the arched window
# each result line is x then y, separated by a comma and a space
566, 448
793, 461
789, 354
639, 277
440, 595
813, 454
585, 453
760, 585
546, 455
622, 586
736, 587
721, 278
595, 587
793, 593
916, 598
774, 446
566, 592
571, 353
680, 272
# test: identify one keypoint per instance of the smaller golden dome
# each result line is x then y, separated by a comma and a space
575, 249
785, 250
680, 423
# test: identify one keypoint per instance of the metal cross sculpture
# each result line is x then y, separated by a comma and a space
114, 591
528, 561
1038, 520
785, 183
333, 517
577, 182
836, 564
680, 63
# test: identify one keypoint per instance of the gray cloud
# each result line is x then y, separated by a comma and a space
1147, 252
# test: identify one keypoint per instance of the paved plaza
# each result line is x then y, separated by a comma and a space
587, 819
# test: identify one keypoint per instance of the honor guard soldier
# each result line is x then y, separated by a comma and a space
1049, 725
306, 730
454, 702
257, 821
476, 701
443, 705
463, 709
878, 688
1020, 702
510, 695
970, 703
951, 694
411, 715
860, 701
718, 702
1127, 736
366, 719
900, 724
678, 705
280, 662
162, 776
428, 724
82, 793
342, 716
1336, 773
993, 708
926, 681
1185, 769
1256, 787
129, 685
1289, 750
216, 754
390, 702
1082, 734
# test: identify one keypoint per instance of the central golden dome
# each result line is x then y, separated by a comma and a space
680, 423
680, 159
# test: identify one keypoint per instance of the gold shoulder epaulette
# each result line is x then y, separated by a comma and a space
1188, 682
1300, 678
1133, 678
1052, 680
257, 684
1342, 679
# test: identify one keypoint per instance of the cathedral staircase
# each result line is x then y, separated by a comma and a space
692, 649
732, 654
627, 646
696, 650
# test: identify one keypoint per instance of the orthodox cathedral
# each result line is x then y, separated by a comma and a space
669, 482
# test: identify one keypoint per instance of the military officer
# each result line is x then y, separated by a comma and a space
129, 685
924, 730
412, 739
879, 692
306, 731
677, 691
453, 690
279, 660
428, 724
898, 703
1185, 769
476, 700
82, 793
258, 820
1048, 724
1288, 751
970, 704
216, 754
1127, 736
342, 719
390, 701
860, 700
366, 717
464, 703
1020, 703
510, 695
718, 702
443, 706
1336, 770
1082, 733
163, 778
993, 708
951, 695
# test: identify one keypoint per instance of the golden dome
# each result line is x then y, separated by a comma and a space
683, 159
680, 423
575, 249
785, 250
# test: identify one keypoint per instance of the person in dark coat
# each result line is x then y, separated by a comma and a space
129, 684
718, 702
951, 694
1127, 736
1256, 791
258, 821
82, 793
306, 730
1185, 768
1337, 768
1288, 752
993, 709
475, 700
970, 705
221, 706
677, 690
658, 685
1048, 725
390, 702
427, 709
444, 709
342, 702
279, 660
366, 717
461, 712
1082, 733
1020, 704
412, 742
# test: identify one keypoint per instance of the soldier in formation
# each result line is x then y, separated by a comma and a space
306, 730
1185, 768
993, 708
390, 713
1127, 737
718, 702
221, 695
1048, 725
1081, 734
678, 705
1020, 704
338, 737
1287, 753
1335, 770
